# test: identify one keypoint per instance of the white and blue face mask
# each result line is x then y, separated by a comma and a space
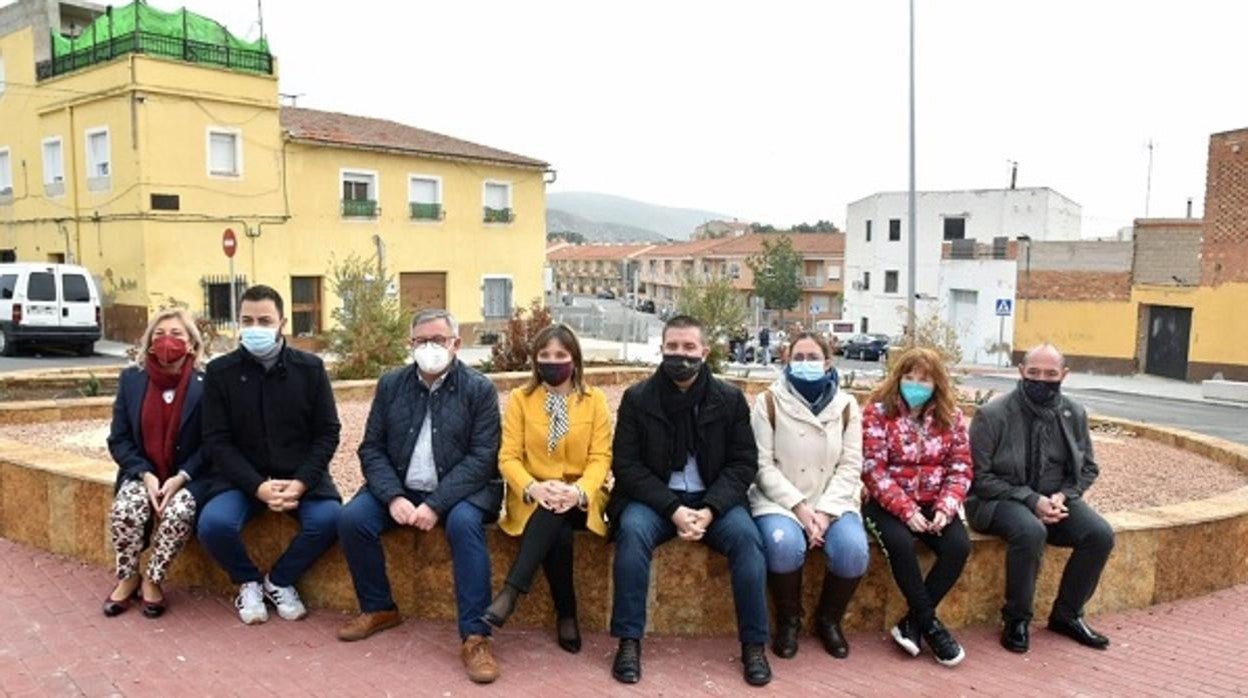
807, 370
258, 340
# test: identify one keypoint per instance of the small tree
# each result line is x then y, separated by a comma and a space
511, 351
777, 273
717, 304
371, 332
934, 333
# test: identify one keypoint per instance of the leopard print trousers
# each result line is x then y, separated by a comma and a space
132, 510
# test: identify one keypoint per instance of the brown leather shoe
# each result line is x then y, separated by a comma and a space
478, 659
367, 624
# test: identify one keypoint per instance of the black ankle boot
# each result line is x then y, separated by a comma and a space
833, 600
754, 666
786, 595
501, 608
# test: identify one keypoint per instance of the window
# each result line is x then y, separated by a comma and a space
217, 296
866, 281
868, 231
8, 282
496, 294
894, 229
6, 175
498, 202
53, 167
8, 255
99, 167
890, 281
305, 305
225, 152
834, 272
41, 286
359, 195
74, 289
166, 202
955, 228
863, 325
424, 198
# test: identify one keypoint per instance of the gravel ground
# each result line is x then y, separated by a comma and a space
1134, 473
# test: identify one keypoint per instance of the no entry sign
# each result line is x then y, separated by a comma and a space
229, 243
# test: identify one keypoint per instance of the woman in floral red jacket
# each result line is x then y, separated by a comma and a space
916, 463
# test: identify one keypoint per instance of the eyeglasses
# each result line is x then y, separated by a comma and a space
419, 342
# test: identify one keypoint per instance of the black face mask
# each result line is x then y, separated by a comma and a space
554, 374
681, 368
1041, 392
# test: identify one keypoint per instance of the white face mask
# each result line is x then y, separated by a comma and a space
432, 358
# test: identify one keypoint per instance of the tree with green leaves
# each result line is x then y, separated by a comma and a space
718, 305
777, 274
371, 331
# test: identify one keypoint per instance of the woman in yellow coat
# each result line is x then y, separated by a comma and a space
554, 457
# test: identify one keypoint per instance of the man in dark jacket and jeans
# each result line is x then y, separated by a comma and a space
684, 457
1033, 463
429, 456
270, 430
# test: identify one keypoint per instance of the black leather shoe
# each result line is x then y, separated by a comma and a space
1079, 631
627, 665
1015, 636
754, 665
569, 635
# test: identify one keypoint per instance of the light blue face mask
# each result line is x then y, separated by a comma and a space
257, 340
915, 394
807, 370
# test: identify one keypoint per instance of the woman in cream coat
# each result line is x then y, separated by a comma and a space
807, 492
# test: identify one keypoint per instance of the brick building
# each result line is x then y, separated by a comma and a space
590, 269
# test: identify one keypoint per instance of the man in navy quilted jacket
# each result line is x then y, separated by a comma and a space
429, 456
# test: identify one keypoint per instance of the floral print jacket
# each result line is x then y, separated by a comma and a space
906, 464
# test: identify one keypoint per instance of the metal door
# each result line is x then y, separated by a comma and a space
1169, 332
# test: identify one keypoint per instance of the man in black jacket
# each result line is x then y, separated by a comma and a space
1033, 463
270, 430
684, 457
429, 456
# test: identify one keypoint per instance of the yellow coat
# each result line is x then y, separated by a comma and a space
581, 457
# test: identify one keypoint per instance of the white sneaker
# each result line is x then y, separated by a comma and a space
250, 604
286, 599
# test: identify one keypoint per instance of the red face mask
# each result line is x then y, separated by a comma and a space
168, 349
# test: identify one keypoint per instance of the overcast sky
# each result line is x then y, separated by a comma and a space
786, 111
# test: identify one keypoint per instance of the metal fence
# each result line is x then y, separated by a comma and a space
593, 321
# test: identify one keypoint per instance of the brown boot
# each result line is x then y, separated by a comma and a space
367, 624
479, 659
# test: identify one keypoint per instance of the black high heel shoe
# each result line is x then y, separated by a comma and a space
499, 610
569, 634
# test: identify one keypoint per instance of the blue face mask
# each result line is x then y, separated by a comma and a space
915, 394
257, 340
807, 370
809, 388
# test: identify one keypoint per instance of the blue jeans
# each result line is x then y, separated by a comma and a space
732, 533
844, 545
363, 521
221, 533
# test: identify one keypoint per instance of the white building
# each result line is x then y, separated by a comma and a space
965, 286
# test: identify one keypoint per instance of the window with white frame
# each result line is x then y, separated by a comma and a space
498, 202
359, 194
53, 167
496, 298
225, 153
424, 198
99, 165
6, 174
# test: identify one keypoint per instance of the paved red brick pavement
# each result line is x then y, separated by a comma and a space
54, 641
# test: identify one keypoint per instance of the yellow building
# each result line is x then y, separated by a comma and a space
132, 157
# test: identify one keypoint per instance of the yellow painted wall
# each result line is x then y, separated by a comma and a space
1099, 329
1219, 331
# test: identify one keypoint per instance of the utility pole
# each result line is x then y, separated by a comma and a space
1148, 186
911, 274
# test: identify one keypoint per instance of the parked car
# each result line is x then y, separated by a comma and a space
646, 306
606, 294
867, 347
48, 304
837, 332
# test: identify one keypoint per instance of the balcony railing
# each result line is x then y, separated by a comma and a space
812, 281
189, 50
498, 215
359, 208
426, 212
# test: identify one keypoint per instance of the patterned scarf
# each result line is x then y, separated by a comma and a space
557, 409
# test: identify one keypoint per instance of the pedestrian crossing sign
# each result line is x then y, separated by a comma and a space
1005, 307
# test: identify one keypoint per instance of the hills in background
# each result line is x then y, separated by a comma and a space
608, 218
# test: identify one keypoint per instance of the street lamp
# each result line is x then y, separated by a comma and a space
911, 274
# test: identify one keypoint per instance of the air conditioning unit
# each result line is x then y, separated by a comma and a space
857, 285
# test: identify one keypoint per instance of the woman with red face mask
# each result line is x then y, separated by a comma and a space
155, 440
554, 457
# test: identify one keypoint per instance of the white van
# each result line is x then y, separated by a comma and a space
836, 331
48, 304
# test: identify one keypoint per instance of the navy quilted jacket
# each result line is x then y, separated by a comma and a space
465, 423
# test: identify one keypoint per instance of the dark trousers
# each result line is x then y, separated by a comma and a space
363, 521
220, 531
732, 534
547, 542
952, 547
1025, 537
